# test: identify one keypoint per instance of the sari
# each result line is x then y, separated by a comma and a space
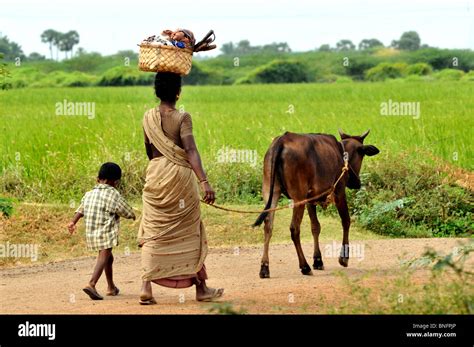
171, 233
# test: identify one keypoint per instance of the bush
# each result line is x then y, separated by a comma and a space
419, 69
412, 201
449, 75
278, 71
469, 76
125, 76
386, 70
358, 66
6, 207
444, 58
78, 79
22, 77
202, 75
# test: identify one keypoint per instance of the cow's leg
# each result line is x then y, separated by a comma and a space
268, 228
343, 210
298, 213
315, 229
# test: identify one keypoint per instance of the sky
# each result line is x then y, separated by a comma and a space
110, 26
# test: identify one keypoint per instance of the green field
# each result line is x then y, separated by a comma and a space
49, 157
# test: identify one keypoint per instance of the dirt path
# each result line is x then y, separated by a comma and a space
56, 287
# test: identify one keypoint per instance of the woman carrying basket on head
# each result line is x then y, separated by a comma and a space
171, 234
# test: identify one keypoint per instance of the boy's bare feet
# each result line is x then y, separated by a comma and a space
92, 292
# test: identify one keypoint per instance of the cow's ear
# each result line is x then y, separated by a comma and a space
368, 150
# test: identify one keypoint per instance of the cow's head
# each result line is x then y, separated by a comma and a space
354, 146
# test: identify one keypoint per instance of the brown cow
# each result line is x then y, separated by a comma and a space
302, 166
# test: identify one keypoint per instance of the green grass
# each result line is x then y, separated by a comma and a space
46, 157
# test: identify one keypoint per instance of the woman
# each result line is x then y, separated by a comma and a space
171, 233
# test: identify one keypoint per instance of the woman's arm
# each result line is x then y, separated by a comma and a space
149, 151
195, 160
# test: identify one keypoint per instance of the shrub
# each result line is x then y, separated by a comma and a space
278, 71
125, 76
420, 69
78, 79
469, 76
449, 75
444, 58
412, 201
358, 66
386, 70
202, 75
6, 207
22, 77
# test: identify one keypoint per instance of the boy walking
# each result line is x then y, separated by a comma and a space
102, 208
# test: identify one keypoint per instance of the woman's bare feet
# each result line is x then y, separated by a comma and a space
204, 293
146, 296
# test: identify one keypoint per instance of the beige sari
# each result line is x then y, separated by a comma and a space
171, 231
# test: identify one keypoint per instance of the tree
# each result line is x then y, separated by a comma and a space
11, 50
57, 42
67, 41
81, 51
228, 48
325, 48
4, 74
280, 47
345, 45
72, 39
243, 47
409, 41
50, 36
369, 43
34, 56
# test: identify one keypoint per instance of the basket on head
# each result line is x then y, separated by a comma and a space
160, 58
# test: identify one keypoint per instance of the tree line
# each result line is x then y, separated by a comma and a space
409, 40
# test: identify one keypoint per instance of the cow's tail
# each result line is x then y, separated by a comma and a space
276, 159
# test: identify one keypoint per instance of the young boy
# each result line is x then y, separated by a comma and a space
102, 208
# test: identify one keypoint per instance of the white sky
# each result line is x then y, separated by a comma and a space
109, 26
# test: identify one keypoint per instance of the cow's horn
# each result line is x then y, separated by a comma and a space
365, 134
343, 136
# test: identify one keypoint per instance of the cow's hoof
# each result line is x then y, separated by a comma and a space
344, 261
318, 264
264, 271
306, 270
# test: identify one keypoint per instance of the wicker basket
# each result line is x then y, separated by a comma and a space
159, 58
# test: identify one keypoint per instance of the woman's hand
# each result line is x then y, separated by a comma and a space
209, 194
